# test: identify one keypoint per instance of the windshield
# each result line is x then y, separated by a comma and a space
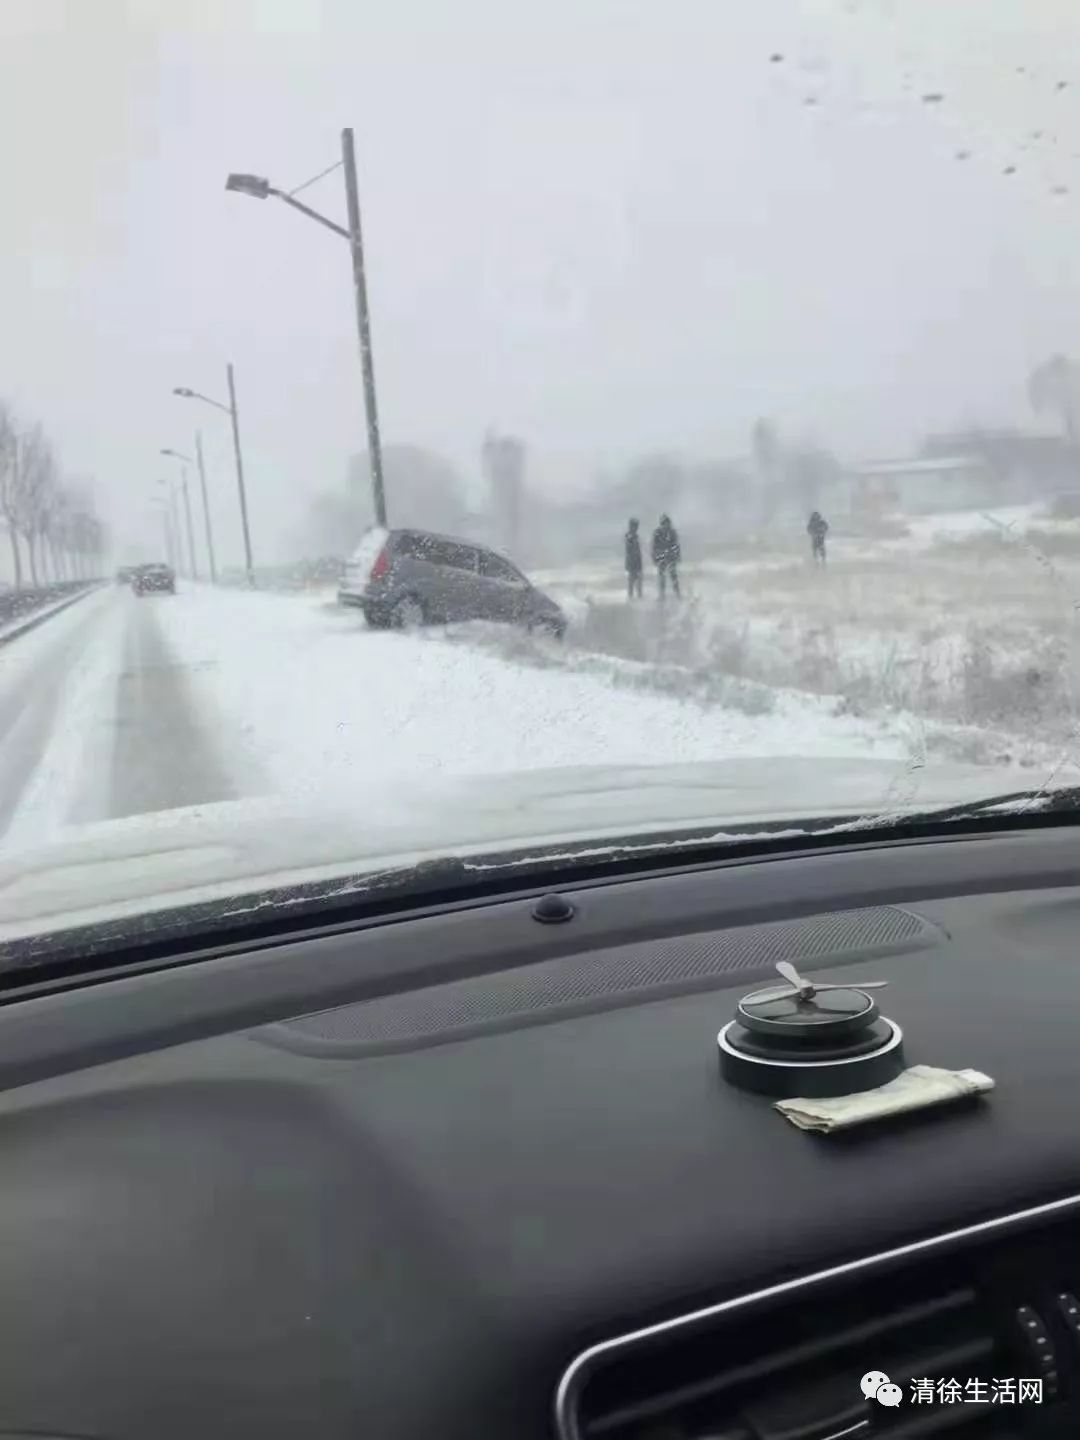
431, 430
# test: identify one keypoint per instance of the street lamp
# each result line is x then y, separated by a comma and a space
259, 188
185, 461
172, 524
156, 501
252, 185
234, 415
205, 503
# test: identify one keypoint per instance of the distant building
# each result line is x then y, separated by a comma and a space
923, 486
1027, 465
503, 460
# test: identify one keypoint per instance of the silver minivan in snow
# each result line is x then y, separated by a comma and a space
403, 578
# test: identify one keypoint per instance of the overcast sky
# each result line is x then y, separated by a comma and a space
608, 225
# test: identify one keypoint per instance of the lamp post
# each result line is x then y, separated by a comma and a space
259, 189
211, 559
156, 502
185, 461
234, 415
169, 517
206, 509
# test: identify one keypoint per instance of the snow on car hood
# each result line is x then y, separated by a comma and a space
146, 863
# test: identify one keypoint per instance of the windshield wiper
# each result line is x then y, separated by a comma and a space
1013, 804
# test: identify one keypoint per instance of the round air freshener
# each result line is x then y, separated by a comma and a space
810, 1039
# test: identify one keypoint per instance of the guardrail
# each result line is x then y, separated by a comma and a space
21, 610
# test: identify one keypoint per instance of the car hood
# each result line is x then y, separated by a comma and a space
222, 852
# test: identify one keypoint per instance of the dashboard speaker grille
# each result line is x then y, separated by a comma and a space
601, 979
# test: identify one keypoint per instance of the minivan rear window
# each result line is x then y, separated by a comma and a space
437, 551
494, 567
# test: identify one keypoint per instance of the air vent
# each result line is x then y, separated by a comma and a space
789, 1366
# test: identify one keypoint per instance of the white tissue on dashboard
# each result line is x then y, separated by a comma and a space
916, 1088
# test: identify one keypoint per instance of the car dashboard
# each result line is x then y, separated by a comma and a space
473, 1170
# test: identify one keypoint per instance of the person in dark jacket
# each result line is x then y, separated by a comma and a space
666, 554
817, 529
634, 563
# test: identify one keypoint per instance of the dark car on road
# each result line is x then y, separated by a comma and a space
153, 580
402, 578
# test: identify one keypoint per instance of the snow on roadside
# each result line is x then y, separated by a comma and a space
19, 661
324, 706
73, 777
28, 620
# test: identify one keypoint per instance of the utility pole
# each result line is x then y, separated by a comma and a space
166, 533
206, 508
240, 475
174, 512
363, 325
167, 516
190, 531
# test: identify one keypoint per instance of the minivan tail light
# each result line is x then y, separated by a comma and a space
381, 566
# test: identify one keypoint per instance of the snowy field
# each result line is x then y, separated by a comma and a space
962, 626
952, 642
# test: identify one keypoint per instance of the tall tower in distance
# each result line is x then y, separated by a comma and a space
503, 460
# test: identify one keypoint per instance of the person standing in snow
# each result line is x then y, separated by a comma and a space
817, 529
634, 563
666, 554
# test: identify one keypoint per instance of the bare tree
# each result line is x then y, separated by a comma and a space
809, 471
34, 486
87, 541
56, 521
769, 465
55, 530
1055, 386
765, 439
503, 460
427, 491
9, 451
54, 503
62, 535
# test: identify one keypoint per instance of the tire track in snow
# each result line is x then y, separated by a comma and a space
163, 758
39, 674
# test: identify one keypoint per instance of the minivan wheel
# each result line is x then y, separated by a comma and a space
407, 614
377, 618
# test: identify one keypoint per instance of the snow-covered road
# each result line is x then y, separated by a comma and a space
121, 706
